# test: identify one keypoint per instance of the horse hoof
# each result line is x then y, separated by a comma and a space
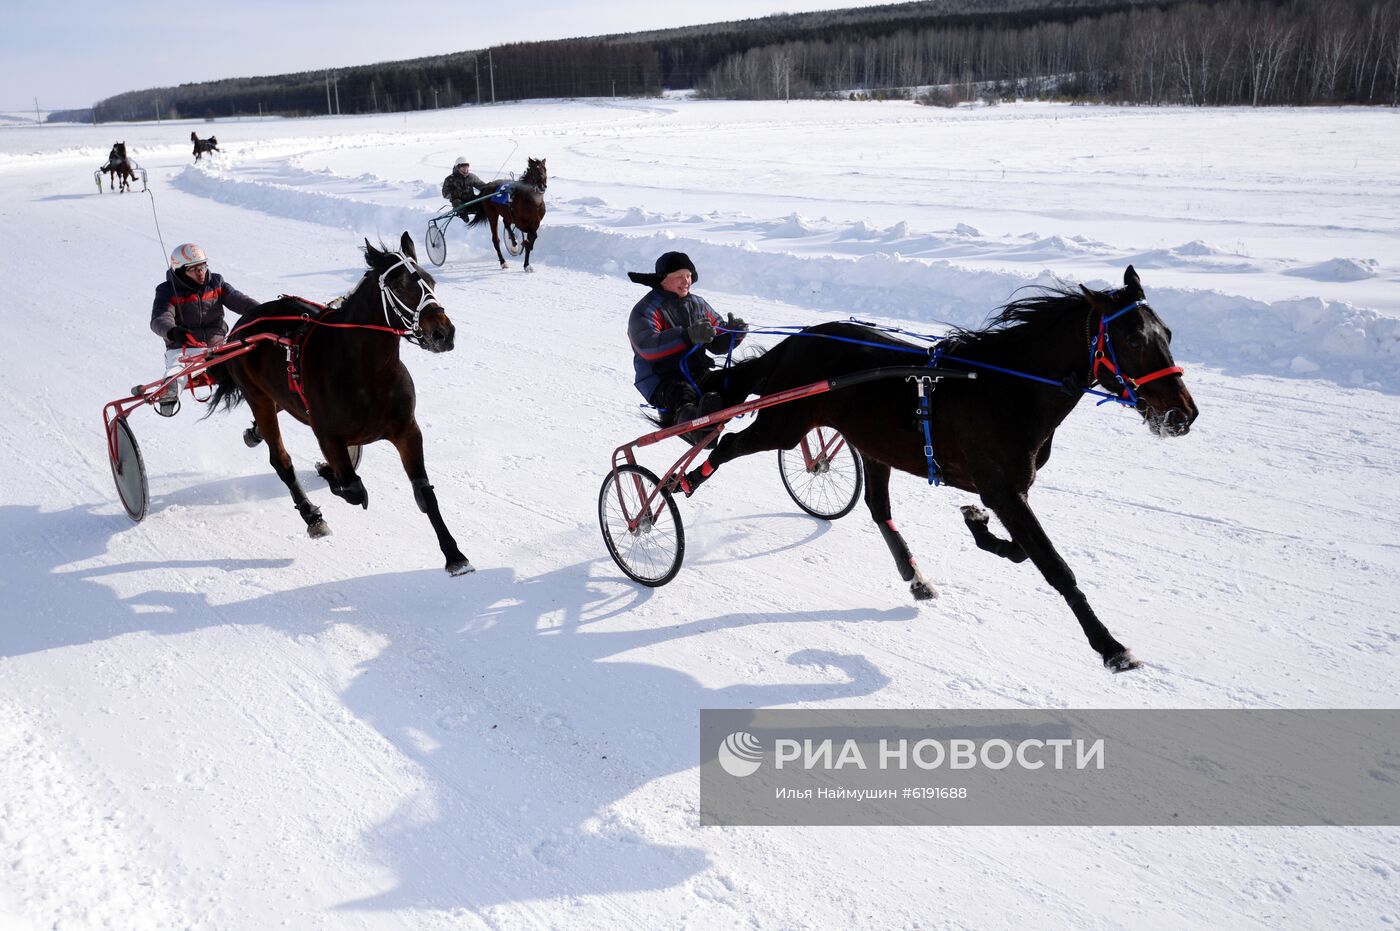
503, 265
529, 269
1122, 662
318, 529
460, 567
922, 590
973, 514
251, 438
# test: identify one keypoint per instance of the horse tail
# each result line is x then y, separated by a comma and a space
226, 392
744, 377
479, 217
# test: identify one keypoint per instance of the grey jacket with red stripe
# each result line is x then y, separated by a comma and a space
659, 342
180, 302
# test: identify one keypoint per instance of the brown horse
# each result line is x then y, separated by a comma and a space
988, 436
204, 145
522, 208
342, 377
119, 166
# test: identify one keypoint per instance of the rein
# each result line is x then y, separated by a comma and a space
409, 318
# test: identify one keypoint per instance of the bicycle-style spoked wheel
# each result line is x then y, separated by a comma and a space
823, 474
641, 525
436, 241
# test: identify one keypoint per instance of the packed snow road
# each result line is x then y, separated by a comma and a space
208, 720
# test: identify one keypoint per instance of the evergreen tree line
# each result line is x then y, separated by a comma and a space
1242, 52
633, 64
1196, 52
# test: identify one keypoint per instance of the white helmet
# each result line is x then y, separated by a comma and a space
461, 160
185, 255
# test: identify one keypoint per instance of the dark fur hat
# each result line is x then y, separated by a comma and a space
667, 263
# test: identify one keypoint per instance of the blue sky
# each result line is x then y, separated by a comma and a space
70, 54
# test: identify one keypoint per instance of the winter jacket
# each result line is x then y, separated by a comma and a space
179, 302
657, 329
460, 188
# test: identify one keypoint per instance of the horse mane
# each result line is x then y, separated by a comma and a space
1025, 318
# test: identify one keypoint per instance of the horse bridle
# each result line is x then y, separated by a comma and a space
410, 318
1103, 356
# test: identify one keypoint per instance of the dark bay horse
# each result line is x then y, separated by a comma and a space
523, 210
346, 381
204, 145
118, 167
989, 435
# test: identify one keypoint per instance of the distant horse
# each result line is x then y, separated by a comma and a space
119, 166
204, 145
344, 379
989, 436
523, 209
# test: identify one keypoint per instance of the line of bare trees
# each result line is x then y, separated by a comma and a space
1242, 52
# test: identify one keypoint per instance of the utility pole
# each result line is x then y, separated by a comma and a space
491, 65
476, 73
259, 109
336, 81
37, 118
435, 105
329, 111
787, 86
157, 109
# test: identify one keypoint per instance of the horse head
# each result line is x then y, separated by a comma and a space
193, 137
406, 293
1131, 357
535, 173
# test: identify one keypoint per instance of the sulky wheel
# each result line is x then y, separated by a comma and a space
647, 544
128, 471
823, 474
436, 241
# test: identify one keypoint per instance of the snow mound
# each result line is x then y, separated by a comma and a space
1338, 270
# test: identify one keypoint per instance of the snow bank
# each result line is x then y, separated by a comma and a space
856, 269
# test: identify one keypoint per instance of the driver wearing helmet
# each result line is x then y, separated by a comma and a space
189, 309
462, 185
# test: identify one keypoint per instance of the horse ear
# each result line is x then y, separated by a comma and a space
370, 253
406, 246
1095, 298
1131, 281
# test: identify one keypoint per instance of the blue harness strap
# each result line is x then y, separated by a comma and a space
502, 195
925, 385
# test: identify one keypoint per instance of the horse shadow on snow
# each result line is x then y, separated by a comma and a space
531, 707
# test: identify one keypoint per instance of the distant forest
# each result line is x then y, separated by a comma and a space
1206, 52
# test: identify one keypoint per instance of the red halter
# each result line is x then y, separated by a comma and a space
1103, 356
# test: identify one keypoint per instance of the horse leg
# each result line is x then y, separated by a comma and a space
530, 238
409, 443
496, 238
977, 520
1017, 517
766, 433
265, 416
339, 472
877, 499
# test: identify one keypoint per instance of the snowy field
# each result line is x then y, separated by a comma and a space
209, 721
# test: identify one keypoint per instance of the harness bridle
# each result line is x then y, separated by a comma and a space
409, 318
1103, 356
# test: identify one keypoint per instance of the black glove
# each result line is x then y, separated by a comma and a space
700, 332
179, 335
736, 325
